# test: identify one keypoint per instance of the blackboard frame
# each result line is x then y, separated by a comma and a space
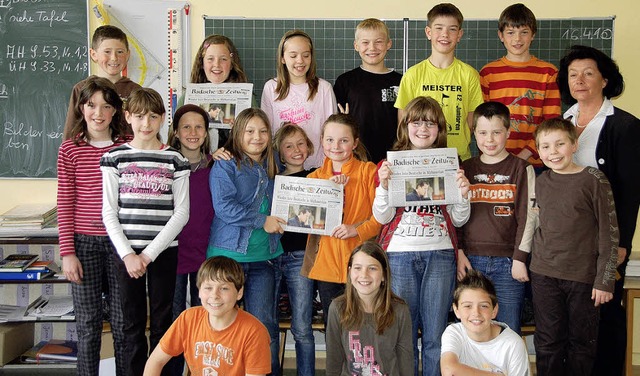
43, 54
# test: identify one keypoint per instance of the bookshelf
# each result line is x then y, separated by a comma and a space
24, 293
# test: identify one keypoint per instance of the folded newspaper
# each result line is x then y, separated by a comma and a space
311, 206
223, 102
423, 177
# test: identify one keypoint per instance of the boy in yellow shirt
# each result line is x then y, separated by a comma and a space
454, 84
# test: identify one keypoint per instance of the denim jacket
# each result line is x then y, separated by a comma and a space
237, 195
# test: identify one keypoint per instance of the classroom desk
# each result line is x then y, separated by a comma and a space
632, 291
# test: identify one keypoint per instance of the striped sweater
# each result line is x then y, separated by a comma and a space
145, 198
530, 91
79, 192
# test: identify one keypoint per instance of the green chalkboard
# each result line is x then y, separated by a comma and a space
257, 41
43, 53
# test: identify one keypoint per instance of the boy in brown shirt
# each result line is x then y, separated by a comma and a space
574, 254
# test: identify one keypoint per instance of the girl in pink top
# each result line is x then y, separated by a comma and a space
297, 95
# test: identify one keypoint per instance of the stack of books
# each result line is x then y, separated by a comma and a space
633, 267
26, 267
30, 216
54, 351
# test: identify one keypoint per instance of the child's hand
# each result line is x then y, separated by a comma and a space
135, 265
343, 110
344, 232
340, 179
145, 259
221, 154
72, 268
273, 224
384, 174
463, 264
600, 297
519, 271
463, 183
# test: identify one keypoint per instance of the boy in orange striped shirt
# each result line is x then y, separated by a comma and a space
522, 82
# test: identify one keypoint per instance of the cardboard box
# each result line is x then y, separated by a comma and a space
15, 339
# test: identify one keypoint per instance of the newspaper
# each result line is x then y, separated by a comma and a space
311, 206
423, 177
223, 102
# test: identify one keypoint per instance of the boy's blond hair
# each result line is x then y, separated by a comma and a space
372, 24
556, 124
221, 269
445, 10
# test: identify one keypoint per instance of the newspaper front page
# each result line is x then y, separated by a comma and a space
311, 206
223, 102
423, 177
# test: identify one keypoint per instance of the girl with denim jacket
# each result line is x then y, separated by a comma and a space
241, 190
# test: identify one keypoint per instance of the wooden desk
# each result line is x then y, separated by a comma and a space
632, 291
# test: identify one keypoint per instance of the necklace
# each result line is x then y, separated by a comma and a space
196, 165
578, 117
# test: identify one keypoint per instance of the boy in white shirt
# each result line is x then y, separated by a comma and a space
478, 345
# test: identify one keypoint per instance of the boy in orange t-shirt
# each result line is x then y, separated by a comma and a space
218, 337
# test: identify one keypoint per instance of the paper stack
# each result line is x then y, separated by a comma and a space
35, 216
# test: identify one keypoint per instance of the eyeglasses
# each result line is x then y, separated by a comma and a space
418, 124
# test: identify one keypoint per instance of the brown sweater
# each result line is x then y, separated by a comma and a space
577, 239
501, 200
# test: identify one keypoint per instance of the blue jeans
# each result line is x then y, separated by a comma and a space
510, 292
301, 291
180, 294
260, 300
425, 280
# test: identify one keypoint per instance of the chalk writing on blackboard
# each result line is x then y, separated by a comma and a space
588, 33
43, 53
47, 59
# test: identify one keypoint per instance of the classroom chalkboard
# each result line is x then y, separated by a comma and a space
43, 53
257, 41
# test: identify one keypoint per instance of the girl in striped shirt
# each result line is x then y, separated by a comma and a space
145, 205
87, 253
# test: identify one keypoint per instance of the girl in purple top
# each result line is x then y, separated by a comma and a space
190, 135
